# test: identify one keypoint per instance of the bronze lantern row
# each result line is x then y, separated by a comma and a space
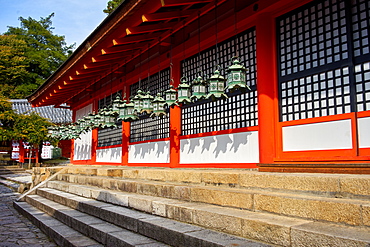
145, 103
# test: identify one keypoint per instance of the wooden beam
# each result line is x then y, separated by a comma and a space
132, 39
123, 48
149, 28
169, 3
166, 15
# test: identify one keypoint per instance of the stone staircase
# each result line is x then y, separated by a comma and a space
16, 178
123, 206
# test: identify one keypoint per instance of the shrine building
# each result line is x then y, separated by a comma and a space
278, 85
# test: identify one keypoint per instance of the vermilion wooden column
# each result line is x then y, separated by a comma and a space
266, 86
94, 136
125, 142
175, 121
94, 144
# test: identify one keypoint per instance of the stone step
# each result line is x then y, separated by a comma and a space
4, 171
313, 207
265, 227
61, 234
90, 226
107, 223
334, 185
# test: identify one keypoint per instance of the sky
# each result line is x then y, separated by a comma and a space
75, 19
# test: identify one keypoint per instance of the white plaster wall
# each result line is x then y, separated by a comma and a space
364, 132
228, 148
82, 146
113, 155
318, 136
151, 152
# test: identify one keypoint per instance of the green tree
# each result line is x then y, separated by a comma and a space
112, 5
13, 72
31, 127
40, 53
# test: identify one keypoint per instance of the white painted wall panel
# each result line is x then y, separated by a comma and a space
364, 132
82, 146
112, 155
228, 148
151, 152
318, 136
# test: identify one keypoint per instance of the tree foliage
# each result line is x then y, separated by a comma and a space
31, 127
112, 5
29, 55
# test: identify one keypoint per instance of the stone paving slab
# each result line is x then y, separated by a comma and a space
16, 230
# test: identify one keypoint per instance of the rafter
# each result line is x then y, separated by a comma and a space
149, 28
132, 39
166, 15
169, 3
123, 48
111, 58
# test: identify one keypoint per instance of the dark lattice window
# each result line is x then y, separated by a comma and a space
147, 128
360, 34
109, 136
324, 50
240, 110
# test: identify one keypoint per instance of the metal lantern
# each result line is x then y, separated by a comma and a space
78, 126
170, 96
122, 111
216, 86
198, 88
236, 78
109, 118
74, 134
97, 119
138, 100
183, 91
147, 103
102, 118
158, 106
116, 103
82, 124
130, 113
89, 121
51, 130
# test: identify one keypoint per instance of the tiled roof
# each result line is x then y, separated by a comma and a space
55, 115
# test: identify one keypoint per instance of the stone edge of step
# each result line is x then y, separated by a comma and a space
60, 233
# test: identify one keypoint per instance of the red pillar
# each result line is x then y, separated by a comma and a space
175, 121
125, 142
266, 87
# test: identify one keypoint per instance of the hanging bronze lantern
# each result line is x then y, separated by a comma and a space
138, 100
236, 78
216, 86
109, 118
122, 111
51, 131
158, 106
198, 88
147, 103
183, 91
89, 121
171, 97
102, 118
130, 113
116, 103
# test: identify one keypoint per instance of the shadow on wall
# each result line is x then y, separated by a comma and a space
153, 148
220, 143
82, 152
